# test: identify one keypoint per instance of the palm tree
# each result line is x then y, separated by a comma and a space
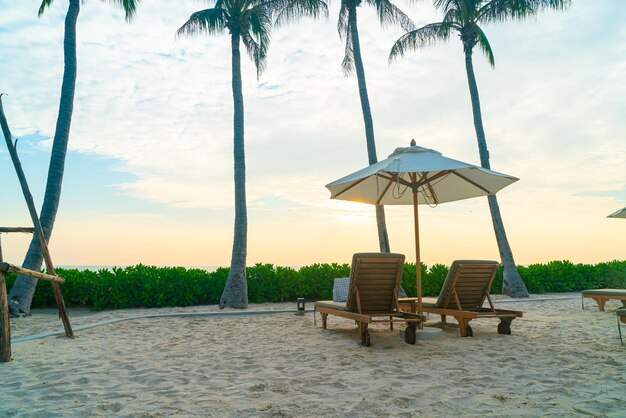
23, 289
464, 18
247, 21
348, 30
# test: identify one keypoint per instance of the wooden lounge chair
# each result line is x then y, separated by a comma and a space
373, 295
602, 295
463, 294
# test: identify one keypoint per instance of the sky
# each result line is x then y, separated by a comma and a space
149, 172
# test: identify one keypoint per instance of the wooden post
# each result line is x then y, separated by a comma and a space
418, 262
56, 289
58, 296
5, 326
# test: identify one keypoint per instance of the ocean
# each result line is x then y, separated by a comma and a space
96, 268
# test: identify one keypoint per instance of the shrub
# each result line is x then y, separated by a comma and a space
150, 286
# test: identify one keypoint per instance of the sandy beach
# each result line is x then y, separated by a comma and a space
560, 361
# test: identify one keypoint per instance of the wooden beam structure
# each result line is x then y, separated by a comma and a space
26, 230
10, 268
58, 296
5, 338
5, 327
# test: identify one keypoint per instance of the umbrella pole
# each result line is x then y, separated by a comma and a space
418, 264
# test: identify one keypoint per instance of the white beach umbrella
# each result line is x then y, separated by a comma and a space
619, 214
416, 175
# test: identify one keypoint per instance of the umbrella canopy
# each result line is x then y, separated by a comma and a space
619, 214
438, 179
416, 175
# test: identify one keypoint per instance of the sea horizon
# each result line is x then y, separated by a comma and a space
112, 266
208, 269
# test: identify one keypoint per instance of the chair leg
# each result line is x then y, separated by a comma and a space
464, 327
619, 328
364, 333
601, 304
391, 323
324, 317
504, 327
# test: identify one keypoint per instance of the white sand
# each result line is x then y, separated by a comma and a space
560, 361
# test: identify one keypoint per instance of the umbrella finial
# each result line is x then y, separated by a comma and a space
413, 142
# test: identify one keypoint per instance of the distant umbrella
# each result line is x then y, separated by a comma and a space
619, 214
428, 176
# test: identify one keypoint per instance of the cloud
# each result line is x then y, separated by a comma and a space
552, 108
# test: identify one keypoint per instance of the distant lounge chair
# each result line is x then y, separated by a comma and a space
463, 294
602, 295
373, 295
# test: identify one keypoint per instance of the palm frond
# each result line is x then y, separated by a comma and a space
420, 38
446, 5
342, 21
390, 14
287, 11
129, 6
256, 51
211, 21
502, 10
44, 5
483, 42
554, 4
255, 35
466, 10
347, 65
453, 17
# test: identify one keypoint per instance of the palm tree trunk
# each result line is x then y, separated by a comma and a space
383, 238
235, 294
23, 289
512, 283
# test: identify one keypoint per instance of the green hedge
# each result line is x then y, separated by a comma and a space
151, 287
